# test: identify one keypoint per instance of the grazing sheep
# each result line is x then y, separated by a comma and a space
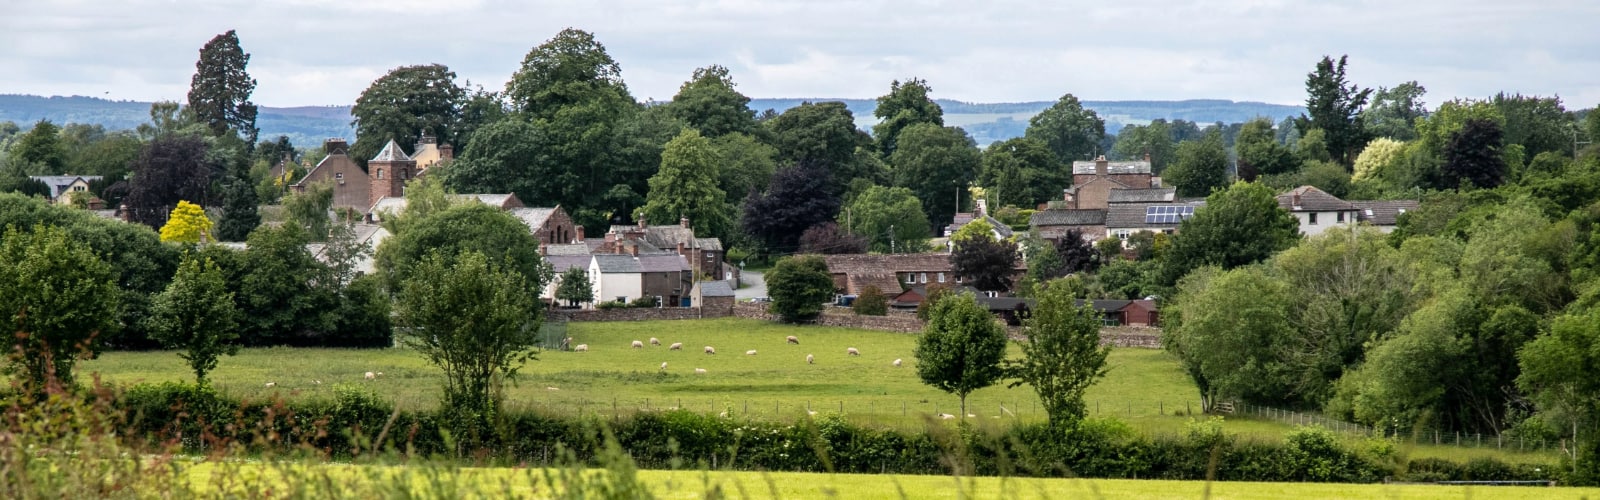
852, 351
969, 415
897, 362
318, 382
809, 412
676, 346
380, 374
793, 340
371, 376
810, 360
552, 388
699, 371
655, 341
751, 352
581, 348
711, 350
663, 367
271, 384
638, 345
946, 416
565, 343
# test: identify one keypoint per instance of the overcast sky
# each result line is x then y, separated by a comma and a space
315, 52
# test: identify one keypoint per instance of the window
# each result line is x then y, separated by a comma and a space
924, 277
380, 173
1312, 218
1339, 217
941, 277
622, 299
77, 188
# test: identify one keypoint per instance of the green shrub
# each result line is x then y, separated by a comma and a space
871, 302
611, 304
643, 302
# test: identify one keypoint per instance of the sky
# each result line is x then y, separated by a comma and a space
325, 52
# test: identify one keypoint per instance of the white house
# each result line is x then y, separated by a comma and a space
1317, 210
1385, 214
615, 277
560, 264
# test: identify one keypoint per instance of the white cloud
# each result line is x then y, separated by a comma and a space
325, 52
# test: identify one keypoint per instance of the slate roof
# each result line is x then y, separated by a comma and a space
1132, 215
1312, 200
1148, 195
669, 236
534, 217
1383, 213
1060, 217
59, 183
715, 289
886, 263
391, 152
616, 263
663, 263
397, 204
568, 249
887, 283
710, 244
561, 263
1113, 167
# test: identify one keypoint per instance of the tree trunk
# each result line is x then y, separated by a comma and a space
963, 406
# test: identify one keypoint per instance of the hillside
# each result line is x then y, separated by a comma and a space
987, 122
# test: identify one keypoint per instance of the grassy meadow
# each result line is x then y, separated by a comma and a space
1144, 388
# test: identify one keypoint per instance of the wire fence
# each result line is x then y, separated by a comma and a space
1439, 437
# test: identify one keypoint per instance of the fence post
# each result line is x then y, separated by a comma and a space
1161, 406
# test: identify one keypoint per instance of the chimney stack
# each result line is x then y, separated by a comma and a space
641, 222
577, 234
1294, 199
544, 249
1147, 157
447, 152
981, 209
1101, 166
683, 222
634, 250
680, 248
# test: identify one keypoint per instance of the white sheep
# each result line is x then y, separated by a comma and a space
946, 416
655, 341
663, 367
318, 382
380, 374
810, 360
371, 376
552, 388
676, 346
751, 352
897, 362
793, 340
638, 345
699, 371
711, 350
271, 384
852, 351
581, 348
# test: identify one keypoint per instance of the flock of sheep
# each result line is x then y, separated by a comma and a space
678, 346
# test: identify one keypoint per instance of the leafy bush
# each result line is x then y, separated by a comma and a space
611, 304
645, 302
871, 302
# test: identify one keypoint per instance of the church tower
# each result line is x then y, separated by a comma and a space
389, 172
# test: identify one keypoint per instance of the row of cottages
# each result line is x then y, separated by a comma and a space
1317, 210
357, 189
1113, 199
890, 273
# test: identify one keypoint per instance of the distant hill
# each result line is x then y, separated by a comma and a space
307, 126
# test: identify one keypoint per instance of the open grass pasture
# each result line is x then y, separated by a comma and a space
1145, 388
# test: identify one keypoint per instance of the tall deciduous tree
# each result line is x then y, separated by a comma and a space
820, 134
1260, 153
219, 93
905, 105
890, 218
1068, 129
984, 263
1557, 372
1062, 356
829, 238
799, 286
279, 296
961, 348
797, 198
1202, 166
402, 104
937, 164
239, 212
1335, 106
1023, 172
568, 70
171, 168
309, 209
474, 320
1238, 226
1394, 111
469, 227
1155, 140
187, 224
196, 316
747, 165
1473, 154
708, 103
40, 150
1228, 329
58, 302
686, 186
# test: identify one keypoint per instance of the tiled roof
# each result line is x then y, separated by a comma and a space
1112, 167
1383, 213
887, 283
1105, 305
391, 152
1312, 200
567, 249
668, 236
1148, 195
663, 263
887, 263
1132, 215
1068, 218
59, 183
715, 289
561, 263
709, 244
397, 204
388, 205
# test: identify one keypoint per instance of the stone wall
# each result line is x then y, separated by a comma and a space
641, 314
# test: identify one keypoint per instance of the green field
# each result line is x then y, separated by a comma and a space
426, 481
1145, 388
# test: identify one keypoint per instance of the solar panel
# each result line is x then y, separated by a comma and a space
1167, 214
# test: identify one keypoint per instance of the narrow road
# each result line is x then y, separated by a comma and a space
755, 285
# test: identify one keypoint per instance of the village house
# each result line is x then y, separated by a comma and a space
1317, 210
560, 264
1125, 219
1052, 224
626, 277
429, 152
891, 273
705, 255
1113, 312
357, 189
368, 236
63, 186
1385, 214
713, 296
1093, 181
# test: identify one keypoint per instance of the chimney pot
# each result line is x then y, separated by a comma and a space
1101, 166
642, 223
447, 152
577, 233
1295, 200
634, 250
683, 222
